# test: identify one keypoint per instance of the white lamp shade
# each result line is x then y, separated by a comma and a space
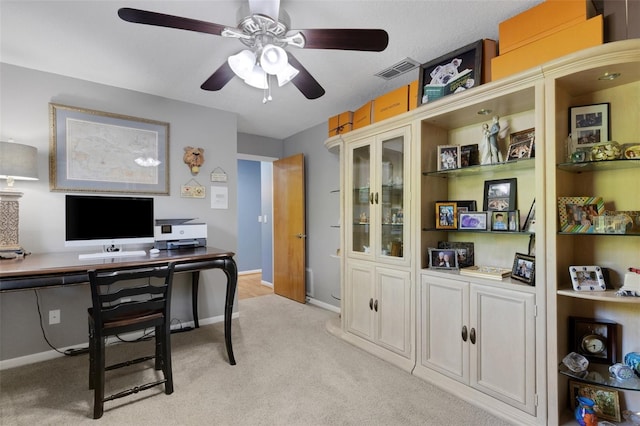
273, 59
242, 63
257, 78
18, 161
286, 75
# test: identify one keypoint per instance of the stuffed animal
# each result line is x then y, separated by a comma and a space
194, 158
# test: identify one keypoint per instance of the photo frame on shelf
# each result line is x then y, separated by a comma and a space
443, 258
95, 151
521, 145
575, 214
587, 278
465, 206
500, 194
464, 251
469, 155
530, 222
448, 157
472, 221
589, 125
524, 268
593, 338
499, 221
446, 215
607, 399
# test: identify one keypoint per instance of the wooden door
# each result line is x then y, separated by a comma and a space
289, 238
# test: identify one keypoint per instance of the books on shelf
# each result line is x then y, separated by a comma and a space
491, 272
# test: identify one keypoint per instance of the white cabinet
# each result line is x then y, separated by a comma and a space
378, 306
481, 336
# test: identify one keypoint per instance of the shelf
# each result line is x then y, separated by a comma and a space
593, 166
471, 231
528, 163
600, 296
599, 234
598, 374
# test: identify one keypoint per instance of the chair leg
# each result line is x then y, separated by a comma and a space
159, 348
166, 361
99, 365
92, 361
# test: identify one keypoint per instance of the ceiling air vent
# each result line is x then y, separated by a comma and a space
401, 67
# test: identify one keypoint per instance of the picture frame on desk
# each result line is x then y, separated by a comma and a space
95, 151
524, 268
607, 399
589, 125
500, 194
448, 157
464, 251
521, 145
443, 258
472, 221
576, 214
446, 215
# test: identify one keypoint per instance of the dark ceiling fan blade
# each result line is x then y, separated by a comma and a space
345, 39
160, 19
304, 81
219, 78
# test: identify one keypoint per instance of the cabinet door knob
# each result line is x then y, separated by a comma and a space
371, 197
376, 198
464, 333
472, 336
371, 303
375, 305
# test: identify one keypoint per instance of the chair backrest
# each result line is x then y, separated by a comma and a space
127, 299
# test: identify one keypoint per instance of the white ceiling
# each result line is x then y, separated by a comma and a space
87, 40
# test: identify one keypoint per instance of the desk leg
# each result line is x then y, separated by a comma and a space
231, 270
195, 281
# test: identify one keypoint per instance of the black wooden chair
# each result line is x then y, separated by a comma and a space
127, 300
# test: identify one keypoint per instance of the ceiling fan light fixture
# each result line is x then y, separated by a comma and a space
257, 78
286, 75
273, 59
242, 63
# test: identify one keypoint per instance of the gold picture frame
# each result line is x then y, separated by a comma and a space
606, 399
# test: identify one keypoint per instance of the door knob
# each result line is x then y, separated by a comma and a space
464, 333
371, 304
472, 336
301, 235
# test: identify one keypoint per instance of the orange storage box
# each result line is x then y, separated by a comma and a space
362, 116
577, 37
341, 123
541, 21
390, 104
413, 95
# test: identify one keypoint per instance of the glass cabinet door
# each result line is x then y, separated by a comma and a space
362, 199
391, 202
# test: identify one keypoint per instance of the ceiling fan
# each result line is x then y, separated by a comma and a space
265, 32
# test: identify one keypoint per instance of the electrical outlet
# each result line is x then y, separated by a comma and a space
54, 316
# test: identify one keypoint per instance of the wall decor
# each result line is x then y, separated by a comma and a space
524, 268
193, 158
455, 71
448, 157
473, 221
446, 215
464, 251
589, 125
576, 214
587, 278
94, 151
500, 194
593, 338
606, 399
193, 189
443, 259
521, 145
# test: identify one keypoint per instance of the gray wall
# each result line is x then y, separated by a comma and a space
24, 118
249, 257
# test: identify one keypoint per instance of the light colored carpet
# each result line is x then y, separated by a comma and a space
290, 371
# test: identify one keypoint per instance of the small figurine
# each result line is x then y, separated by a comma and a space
496, 155
485, 148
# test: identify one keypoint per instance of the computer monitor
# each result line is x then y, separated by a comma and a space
108, 221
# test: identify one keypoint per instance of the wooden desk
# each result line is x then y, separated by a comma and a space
57, 269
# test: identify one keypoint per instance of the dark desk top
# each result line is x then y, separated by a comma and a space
48, 269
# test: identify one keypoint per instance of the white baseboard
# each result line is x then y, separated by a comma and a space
323, 305
252, 271
52, 354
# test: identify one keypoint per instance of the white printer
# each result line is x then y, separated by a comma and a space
171, 234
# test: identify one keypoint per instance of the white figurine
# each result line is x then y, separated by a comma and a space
485, 148
496, 155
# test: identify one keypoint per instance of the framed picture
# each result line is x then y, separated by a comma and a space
448, 157
593, 338
443, 259
500, 195
521, 145
462, 205
446, 215
587, 278
454, 72
589, 125
499, 221
605, 398
473, 221
513, 220
464, 252
94, 151
524, 268
576, 214
469, 155
530, 222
